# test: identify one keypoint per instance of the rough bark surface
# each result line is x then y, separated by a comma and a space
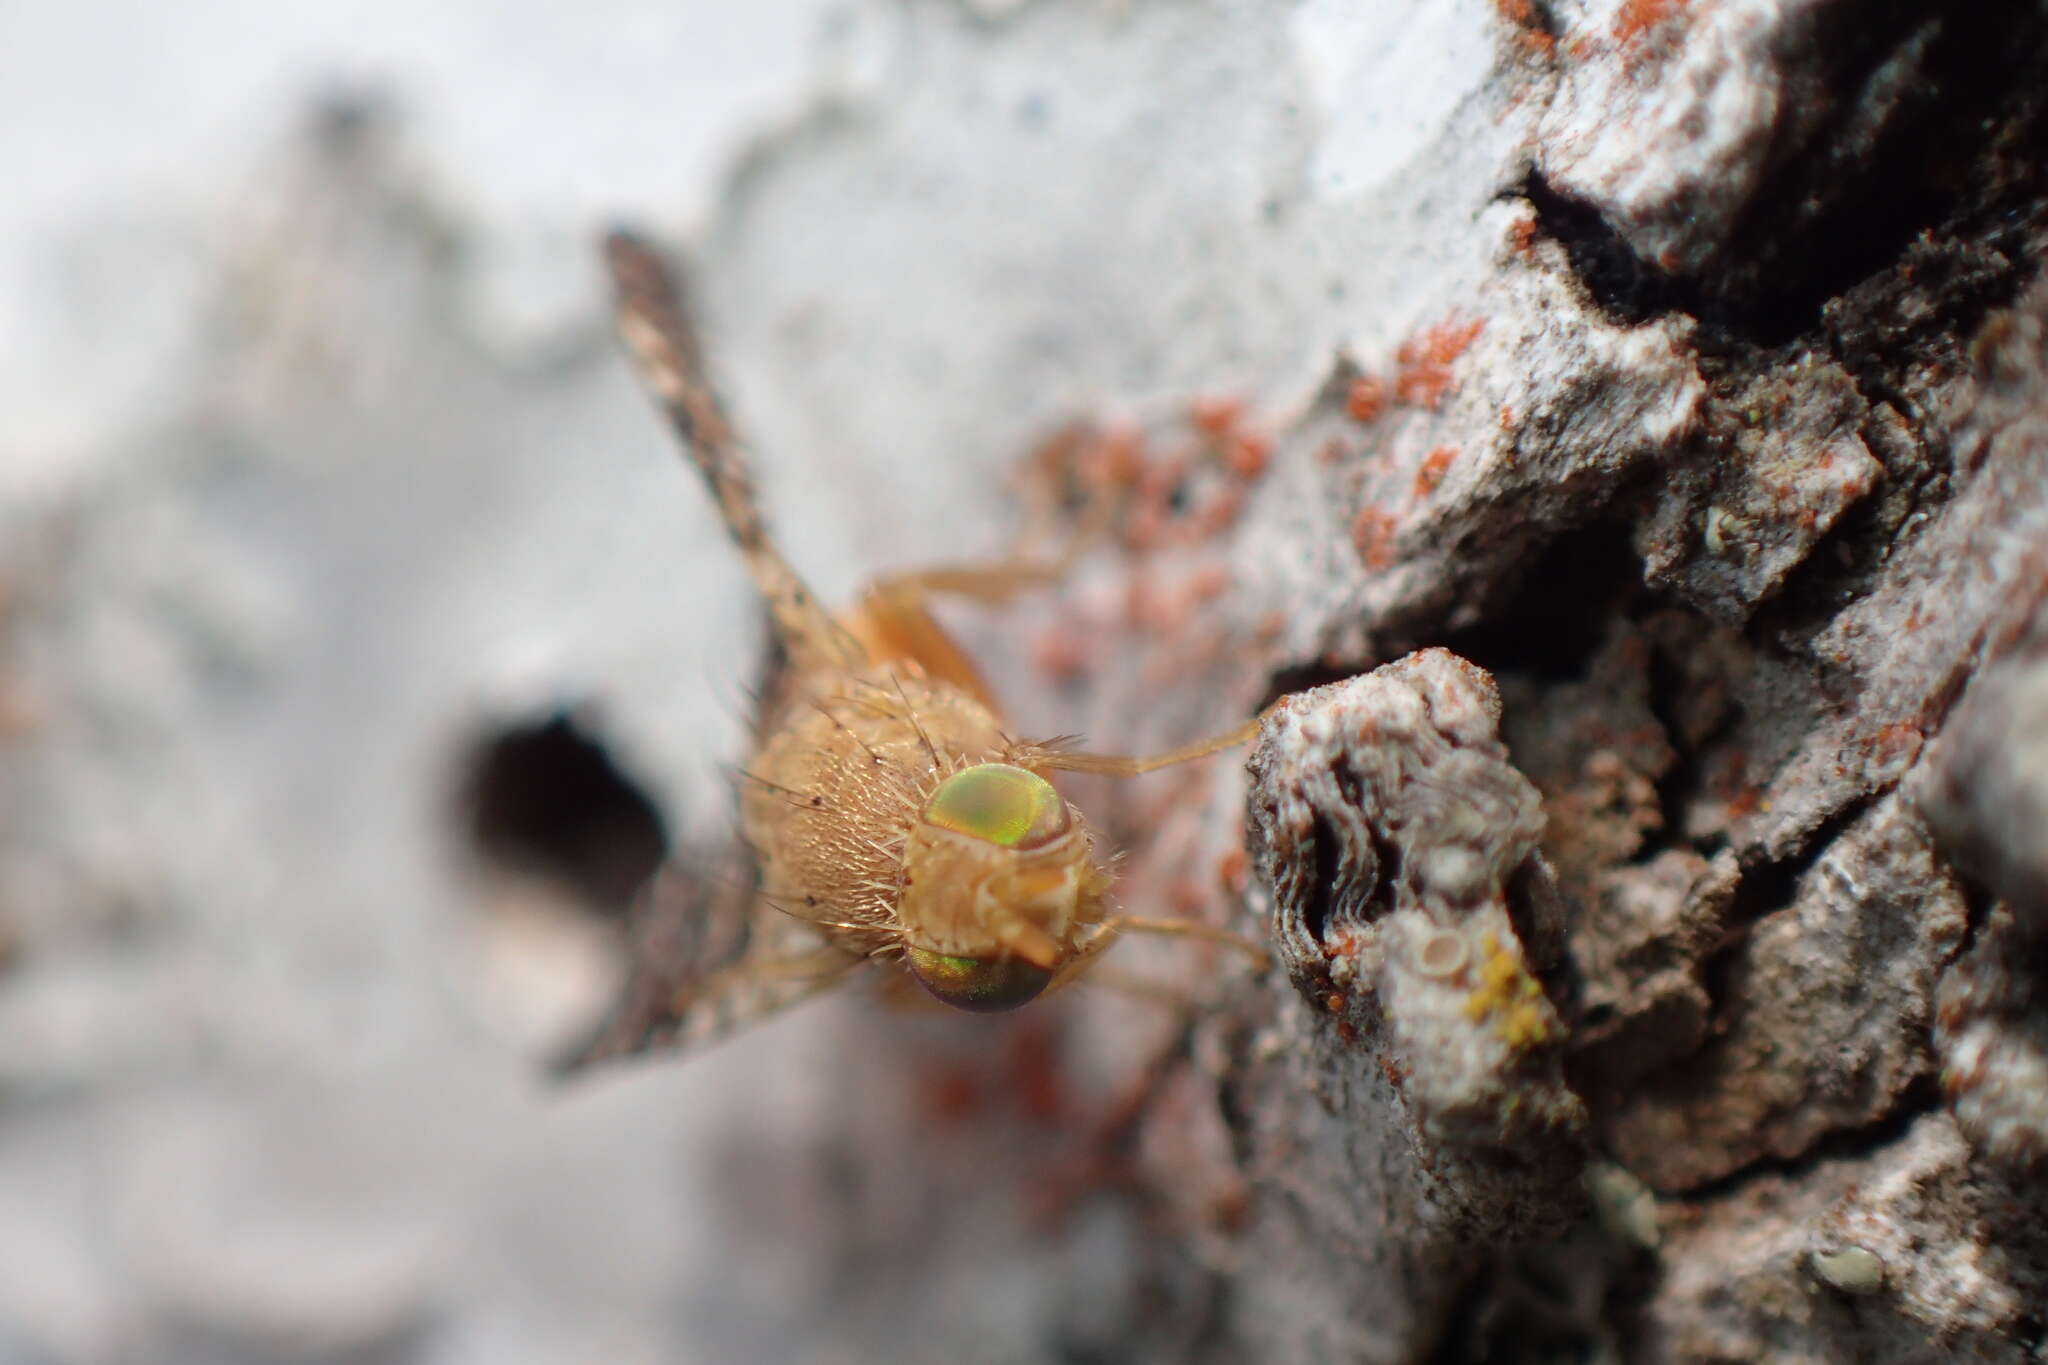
1619, 431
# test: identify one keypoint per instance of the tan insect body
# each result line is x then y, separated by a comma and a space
885, 804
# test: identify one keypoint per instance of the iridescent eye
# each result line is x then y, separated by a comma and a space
981, 985
1000, 803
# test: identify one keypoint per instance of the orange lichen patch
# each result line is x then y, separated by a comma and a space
1426, 360
1522, 17
1246, 453
1508, 995
1637, 17
1112, 457
1156, 486
1219, 513
1507, 418
1372, 532
1896, 744
1231, 872
1434, 466
1367, 398
1208, 582
1522, 235
949, 1095
1232, 1209
1214, 417
1034, 1073
1159, 480
1738, 795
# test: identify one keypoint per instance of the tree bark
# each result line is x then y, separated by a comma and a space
1616, 434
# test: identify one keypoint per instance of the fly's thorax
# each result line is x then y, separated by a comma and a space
998, 879
840, 783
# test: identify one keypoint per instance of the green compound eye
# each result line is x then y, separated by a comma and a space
1005, 805
979, 985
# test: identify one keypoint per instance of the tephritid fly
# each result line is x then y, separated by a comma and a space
888, 811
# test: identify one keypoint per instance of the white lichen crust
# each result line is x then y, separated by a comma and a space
1400, 843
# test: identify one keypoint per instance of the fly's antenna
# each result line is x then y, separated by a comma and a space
654, 319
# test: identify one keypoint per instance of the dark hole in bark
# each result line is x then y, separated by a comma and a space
1315, 906
1559, 613
1938, 75
546, 798
1625, 286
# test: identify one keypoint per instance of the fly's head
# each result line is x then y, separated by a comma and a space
998, 887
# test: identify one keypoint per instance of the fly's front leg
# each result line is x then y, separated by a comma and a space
893, 619
1196, 929
1085, 955
1040, 756
1090, 950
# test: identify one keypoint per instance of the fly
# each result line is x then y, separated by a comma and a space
889, 815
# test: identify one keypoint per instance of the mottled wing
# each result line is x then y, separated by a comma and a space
658, 327
708, 958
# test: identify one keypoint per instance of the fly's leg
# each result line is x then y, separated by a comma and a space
1188, 928
1085, 954
892, 618
893, 621
1090, 949
1040, 756
654, 318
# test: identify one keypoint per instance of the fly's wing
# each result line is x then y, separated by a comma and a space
706, 955
708, 958
657, 324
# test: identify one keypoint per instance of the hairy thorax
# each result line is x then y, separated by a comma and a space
843, 779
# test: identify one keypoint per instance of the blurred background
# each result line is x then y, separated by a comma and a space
321, 492
362, 642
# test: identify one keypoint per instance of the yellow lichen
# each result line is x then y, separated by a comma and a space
1510, 996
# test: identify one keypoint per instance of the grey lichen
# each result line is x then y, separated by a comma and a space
1847, 965
1906, 1253
1400, 843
